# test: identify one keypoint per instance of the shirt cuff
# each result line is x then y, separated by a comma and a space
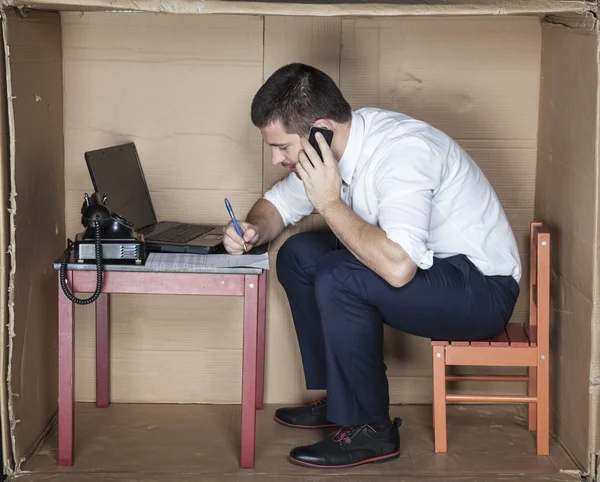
413, 246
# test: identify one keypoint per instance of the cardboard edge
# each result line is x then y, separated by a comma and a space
4, 235
589, 22
574, 436
506, 7
43, 436
594, 382
568, 441
586, 21
10, 463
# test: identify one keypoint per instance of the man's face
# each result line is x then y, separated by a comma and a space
285, 148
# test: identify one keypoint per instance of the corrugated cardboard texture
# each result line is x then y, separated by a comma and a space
4, 263
566, 199
186, 105
594, 420
185, 102
321, 7
36, 83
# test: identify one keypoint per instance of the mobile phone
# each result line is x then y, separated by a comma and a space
327, 134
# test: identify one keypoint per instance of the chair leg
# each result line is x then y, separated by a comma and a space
543, 407
433, 399
439, 399
532, 418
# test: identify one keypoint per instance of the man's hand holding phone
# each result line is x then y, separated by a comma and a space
234, 243
321, 177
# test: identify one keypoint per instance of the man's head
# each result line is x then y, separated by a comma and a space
294, 98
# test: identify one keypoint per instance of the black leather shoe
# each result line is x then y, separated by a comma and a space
313, 415
349, 447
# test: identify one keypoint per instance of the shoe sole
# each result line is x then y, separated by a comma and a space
278, 420
375, 460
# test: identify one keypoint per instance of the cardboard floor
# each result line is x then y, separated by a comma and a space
168, 443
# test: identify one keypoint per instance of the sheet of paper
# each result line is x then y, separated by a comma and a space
193, 262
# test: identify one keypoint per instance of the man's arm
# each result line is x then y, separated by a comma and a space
370, 245
404, 193
267, 220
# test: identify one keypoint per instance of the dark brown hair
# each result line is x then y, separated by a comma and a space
297, 95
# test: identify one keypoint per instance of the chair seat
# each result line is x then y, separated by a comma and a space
515, 335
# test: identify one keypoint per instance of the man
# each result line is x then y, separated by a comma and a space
418, 241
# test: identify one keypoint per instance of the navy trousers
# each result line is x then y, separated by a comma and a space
339, 307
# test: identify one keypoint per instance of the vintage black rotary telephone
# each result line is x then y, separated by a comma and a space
107, 237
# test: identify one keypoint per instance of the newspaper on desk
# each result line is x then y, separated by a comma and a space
192, 262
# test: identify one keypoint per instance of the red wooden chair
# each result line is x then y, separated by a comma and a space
520, 345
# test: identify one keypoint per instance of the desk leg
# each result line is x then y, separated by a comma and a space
249, 361
66, 408
102, 351
262, 317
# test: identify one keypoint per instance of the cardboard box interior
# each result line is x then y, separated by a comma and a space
151, 442
518, 92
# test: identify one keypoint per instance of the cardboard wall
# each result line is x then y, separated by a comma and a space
186, 103
567, 201
180, 88
35, 116
4, 262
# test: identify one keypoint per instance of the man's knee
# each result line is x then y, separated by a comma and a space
287, 257
302, 252
334, 273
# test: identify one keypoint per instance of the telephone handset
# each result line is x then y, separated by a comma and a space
327, 135
107, 237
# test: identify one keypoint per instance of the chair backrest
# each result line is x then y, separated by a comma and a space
539, 285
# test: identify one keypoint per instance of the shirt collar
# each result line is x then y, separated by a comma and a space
348, 161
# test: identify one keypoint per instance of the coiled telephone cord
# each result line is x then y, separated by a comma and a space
63, 269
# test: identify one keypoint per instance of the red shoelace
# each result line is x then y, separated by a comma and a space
318, 401
344, 434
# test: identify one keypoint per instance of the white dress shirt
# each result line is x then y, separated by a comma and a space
421, 188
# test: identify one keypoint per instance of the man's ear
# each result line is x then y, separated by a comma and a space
324, 123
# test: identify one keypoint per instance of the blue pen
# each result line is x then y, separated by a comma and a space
235, 223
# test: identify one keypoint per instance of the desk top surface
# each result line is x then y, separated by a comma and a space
157, 268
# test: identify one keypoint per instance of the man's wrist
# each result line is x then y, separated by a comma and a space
330, 207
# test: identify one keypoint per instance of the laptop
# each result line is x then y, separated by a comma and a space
117, 172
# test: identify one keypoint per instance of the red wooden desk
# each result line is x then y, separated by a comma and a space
247, 282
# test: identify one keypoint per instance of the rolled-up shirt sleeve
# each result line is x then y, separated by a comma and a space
404, 182
290, 199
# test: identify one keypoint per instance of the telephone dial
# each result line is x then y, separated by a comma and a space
108, 237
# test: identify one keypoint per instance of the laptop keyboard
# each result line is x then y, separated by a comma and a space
182, 233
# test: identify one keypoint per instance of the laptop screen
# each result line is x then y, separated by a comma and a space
116, 172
